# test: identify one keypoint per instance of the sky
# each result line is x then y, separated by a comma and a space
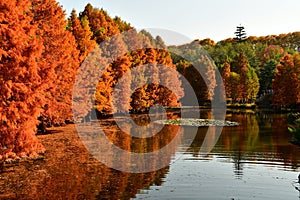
199, 19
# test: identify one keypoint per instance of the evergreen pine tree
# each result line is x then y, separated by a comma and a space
240, 33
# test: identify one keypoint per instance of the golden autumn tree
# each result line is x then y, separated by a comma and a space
234, 86
120, 84
122, 25
102, 27
140, 100
243, 67
101, 24
225, 73
122, 91
21, 81
82, 34
86, 93
59, 53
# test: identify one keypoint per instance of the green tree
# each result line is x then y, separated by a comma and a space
252, 84
234, 85
203, 83
269, 60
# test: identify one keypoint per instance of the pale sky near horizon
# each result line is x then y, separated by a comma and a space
199, 19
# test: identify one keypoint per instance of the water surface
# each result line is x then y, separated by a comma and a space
252, 161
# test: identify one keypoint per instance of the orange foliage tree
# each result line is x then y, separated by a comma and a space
112, 89
225, 73
22, 82
286, 82
163, 84
59, 53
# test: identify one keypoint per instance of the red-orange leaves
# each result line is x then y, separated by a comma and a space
286, 83
20, 81
60, 60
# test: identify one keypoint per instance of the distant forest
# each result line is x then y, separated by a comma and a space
41, 51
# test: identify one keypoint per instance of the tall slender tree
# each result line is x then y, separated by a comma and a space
22, 82
234, 85
286, 83
82, 34
225, 73
243, 67
252, 84
270, 58
59, 53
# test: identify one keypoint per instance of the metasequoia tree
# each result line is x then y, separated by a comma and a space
82, 34
59, 53
22, 82
248, 85
243, 67
234, 86
286, 83
225, 73
114, 93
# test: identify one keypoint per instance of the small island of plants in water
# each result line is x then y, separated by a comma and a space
294, 127
197, 122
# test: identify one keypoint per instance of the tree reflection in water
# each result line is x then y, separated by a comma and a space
261, 138
70, 172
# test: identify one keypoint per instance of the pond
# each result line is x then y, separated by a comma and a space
251, 161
